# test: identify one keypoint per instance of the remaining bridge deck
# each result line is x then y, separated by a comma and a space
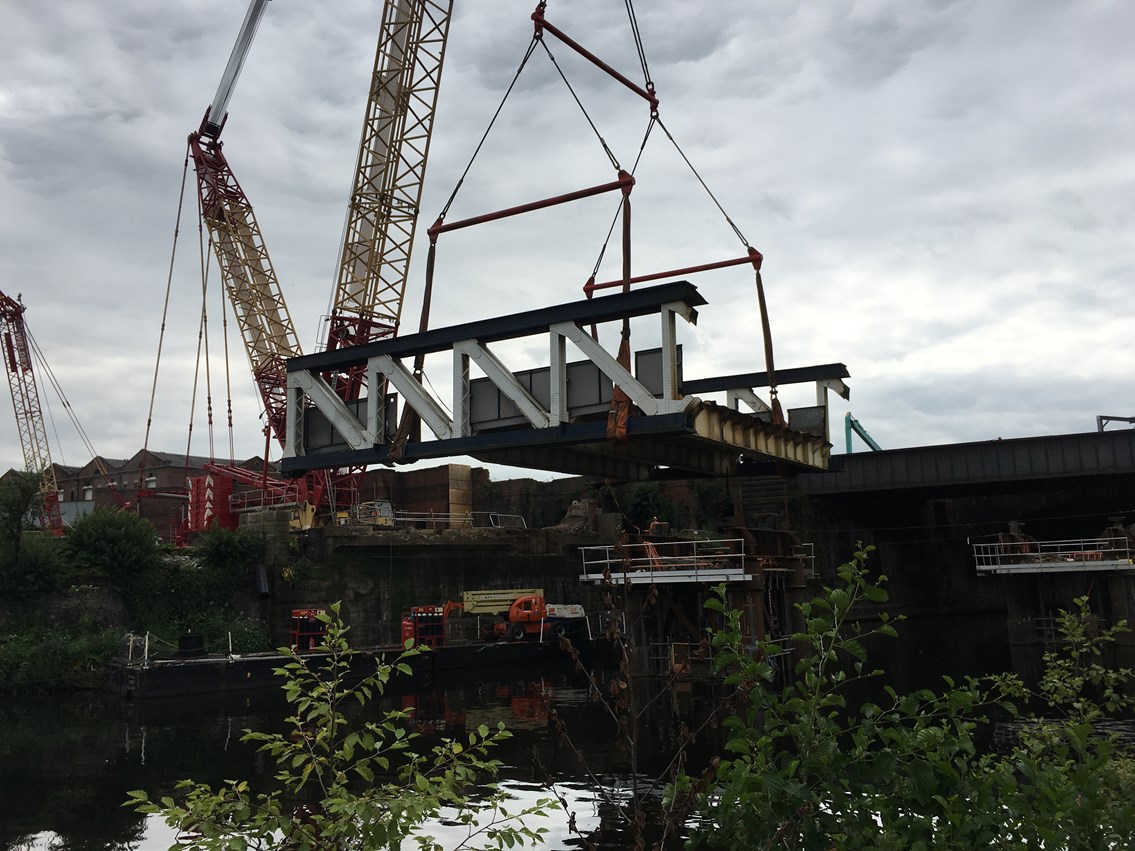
965, 465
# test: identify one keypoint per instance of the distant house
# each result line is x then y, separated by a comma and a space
156, 483
156, 486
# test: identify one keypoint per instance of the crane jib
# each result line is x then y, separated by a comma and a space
214, 118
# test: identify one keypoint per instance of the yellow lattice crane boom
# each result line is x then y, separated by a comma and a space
381, 221
389, 173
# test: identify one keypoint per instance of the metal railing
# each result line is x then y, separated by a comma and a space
502, 521
806, 553
374, 513
257, 500
1084, 554
434, 519
459, 520
667, 561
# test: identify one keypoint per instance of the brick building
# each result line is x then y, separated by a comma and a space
156, 482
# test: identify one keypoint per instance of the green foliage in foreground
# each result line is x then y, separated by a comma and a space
348, 785
805, 770
803, 767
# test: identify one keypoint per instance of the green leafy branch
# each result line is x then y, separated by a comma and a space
347, 785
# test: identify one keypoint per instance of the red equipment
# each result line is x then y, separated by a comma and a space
307, 631
29, 415
379, 236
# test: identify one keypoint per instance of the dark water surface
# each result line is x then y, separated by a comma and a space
67, 762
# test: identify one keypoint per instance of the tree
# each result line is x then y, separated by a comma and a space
30, 559
345, 785
19, 497
228, 551
1072, 776
114, 544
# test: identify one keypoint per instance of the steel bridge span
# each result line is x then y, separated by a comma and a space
556, 417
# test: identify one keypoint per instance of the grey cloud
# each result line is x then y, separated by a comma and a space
942, 191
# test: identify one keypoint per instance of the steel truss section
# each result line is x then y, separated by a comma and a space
670, 429
470, 341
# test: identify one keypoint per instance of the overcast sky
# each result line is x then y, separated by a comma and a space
944, 193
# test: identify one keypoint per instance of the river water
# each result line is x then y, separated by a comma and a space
67, 763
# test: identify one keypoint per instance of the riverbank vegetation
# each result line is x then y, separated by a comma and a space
805, 768
69, 601
820, 752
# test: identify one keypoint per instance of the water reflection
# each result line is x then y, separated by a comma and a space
66, 764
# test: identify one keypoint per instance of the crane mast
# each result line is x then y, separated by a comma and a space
29, 414
382, 215
246, 269
389, 174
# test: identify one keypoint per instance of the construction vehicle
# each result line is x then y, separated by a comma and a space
532, 615
425, 625
29, 414
375, 258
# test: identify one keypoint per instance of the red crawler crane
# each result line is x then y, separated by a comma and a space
29, 415
380, 228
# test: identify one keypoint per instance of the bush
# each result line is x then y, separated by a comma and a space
39, 569
113, 545
52, 657
197, 590
804, 769
229, 552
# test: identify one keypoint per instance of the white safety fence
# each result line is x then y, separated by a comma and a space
666, 561
1068, 556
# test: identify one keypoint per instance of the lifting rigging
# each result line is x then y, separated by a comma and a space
382, 215
624, 184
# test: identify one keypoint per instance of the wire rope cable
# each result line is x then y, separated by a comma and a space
197, 359
165, 313
704, 185
461, 180
208, 370
619, 207
228, 374
45, 370
579, 103
638, 45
